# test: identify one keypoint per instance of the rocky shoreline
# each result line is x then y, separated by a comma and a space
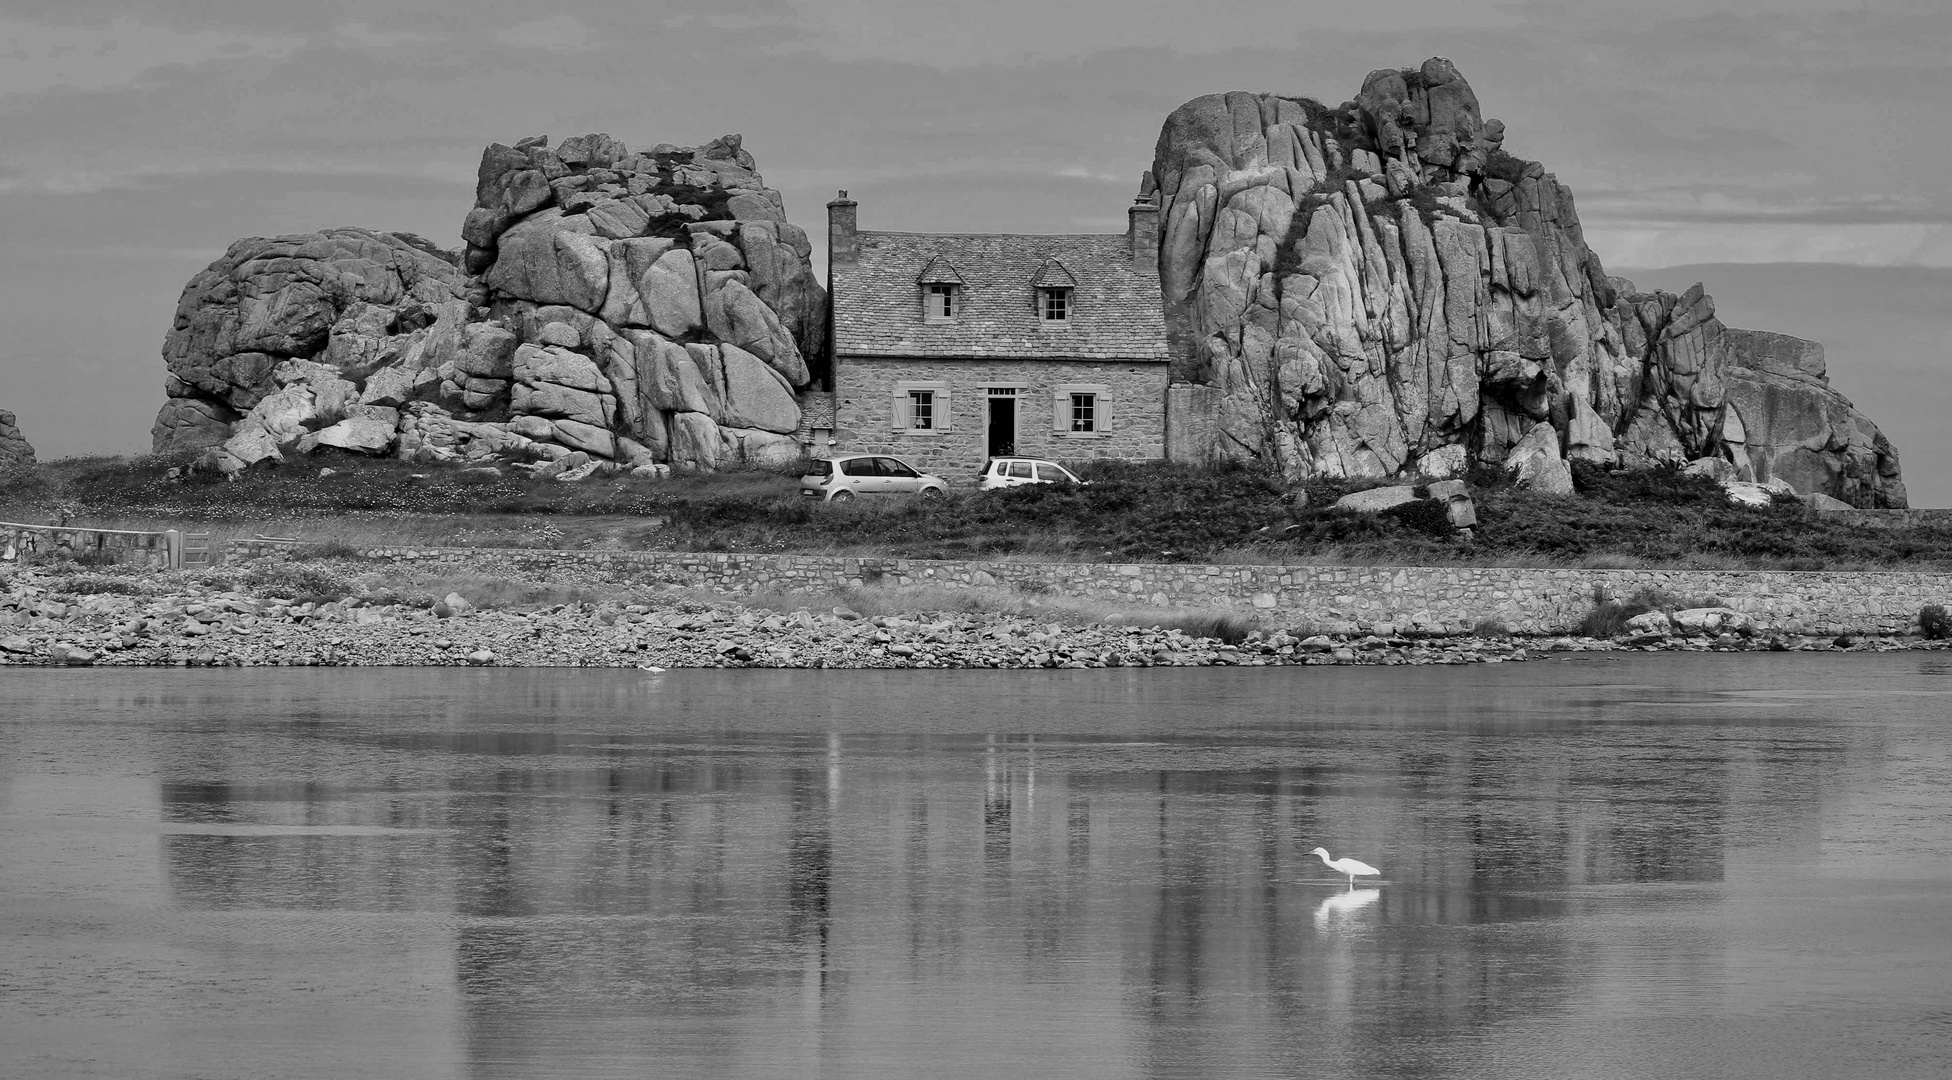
172, 620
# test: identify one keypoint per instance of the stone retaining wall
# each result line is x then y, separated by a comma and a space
1328, 598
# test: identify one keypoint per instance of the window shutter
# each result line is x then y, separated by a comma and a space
1102, 407
1060, 411
944, 416
898, 410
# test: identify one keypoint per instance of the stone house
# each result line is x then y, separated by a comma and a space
948, 349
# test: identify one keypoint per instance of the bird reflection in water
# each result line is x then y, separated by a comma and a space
1343, 910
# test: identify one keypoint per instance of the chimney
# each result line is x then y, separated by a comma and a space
1142, 226
843, 249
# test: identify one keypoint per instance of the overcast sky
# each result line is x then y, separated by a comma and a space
140, 138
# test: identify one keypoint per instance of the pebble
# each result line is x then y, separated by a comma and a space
164, 619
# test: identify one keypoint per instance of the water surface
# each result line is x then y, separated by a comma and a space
1669, 866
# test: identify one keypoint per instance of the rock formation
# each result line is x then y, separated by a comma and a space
639, 308
15, 454
1380, 289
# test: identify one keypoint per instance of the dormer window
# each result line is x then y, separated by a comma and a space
1055, 287
941, 291
941, 303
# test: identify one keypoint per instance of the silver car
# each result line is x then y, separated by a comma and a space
1015, 472
842, 478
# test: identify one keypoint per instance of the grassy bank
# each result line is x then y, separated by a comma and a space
1164, 513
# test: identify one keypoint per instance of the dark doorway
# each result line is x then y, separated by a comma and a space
1003, 424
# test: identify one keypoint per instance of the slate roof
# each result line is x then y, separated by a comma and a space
1054, 276
940, 272
1116, 312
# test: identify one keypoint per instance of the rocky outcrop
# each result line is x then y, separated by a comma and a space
15, 453
643, 308
1366, 288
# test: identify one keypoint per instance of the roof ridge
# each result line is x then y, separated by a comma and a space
980, 235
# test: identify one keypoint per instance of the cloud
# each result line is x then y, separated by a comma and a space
1688, 207
1630, 244
363, 35
36, 57
563, 33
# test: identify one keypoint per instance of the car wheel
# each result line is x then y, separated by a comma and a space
842, 496
931, 494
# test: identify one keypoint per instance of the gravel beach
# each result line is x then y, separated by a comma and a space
177, 619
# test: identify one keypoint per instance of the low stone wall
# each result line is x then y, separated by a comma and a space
28, 544
1328, 598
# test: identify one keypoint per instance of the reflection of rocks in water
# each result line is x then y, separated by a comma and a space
590, 861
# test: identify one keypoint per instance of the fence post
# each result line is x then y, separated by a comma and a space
172, 549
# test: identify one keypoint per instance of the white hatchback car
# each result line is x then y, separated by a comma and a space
1006, 472
841, 479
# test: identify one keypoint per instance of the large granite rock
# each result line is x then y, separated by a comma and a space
603, 296
15, 453
1365, 287
294, 311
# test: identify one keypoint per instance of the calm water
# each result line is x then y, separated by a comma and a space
1672, 867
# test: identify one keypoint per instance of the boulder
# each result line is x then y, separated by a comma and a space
735, 315
1378, 289
1374, 499
652, 284
585, 266
751, 394
288, 297
551, 259
586, 437
1546, 476
15, 453
368, 429
486, 351
1711, 620
695, 444
1720, 470
1650, 622
1746, 493
1444, 461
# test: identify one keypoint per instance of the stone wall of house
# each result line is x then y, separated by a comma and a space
1345, 599
1132, 406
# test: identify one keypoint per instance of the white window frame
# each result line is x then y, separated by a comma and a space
902, 417
930, 308
1062, 415
1045, 294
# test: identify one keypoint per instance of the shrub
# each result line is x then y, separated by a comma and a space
1607, 619
89, 584
1490, 628
297, 581
1933, 623
1427, 516
1227, 627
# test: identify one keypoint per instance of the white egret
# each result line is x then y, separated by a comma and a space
1347, 866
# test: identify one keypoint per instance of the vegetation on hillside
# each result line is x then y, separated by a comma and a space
1129, 512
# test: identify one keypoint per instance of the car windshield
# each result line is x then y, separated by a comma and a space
860, 466
821, 467
892, 467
